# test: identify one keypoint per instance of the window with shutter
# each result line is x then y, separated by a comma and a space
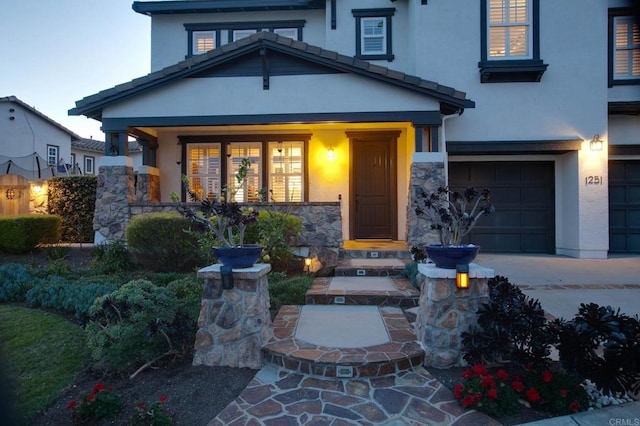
373, 33
286, 171
236, 152
626, 47
203, 170
509, 29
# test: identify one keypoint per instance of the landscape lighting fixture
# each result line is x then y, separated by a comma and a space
462, 276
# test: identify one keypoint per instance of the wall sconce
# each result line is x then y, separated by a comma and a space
462, 276
596, 143
331, 155
37, 189
10, 194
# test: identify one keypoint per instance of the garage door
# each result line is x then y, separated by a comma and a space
624, 206
523, 194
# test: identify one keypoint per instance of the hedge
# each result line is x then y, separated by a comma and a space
22, 233
74, 198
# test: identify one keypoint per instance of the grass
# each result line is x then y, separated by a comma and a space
43, 354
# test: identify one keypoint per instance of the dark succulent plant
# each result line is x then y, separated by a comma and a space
453, 214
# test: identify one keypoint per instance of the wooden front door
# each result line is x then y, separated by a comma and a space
373, 203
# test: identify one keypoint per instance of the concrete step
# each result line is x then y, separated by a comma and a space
378, 291
343, 341
391, 267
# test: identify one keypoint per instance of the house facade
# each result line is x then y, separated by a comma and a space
346, 107
33, 148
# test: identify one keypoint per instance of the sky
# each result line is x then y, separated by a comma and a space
56, 52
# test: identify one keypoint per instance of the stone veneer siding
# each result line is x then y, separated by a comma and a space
115, 191
445, 311
234, 324
429, 176
148, 188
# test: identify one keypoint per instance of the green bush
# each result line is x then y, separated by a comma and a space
15, 281
275, 232
289, 292
162, 242
22, 233
111, 258
136, 324
73, 198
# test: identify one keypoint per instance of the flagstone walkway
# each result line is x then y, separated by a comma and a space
281, 398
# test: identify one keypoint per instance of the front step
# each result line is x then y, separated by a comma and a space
343, 341
352, 267
378, 291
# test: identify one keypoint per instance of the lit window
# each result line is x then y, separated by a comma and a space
250, 191
509, 29
373, 33
203, 41
203, 170
286, 171
626, 47
52, 155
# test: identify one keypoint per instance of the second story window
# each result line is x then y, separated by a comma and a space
373, 34
239, 34
52, 155
625, 49
203, 41
509, 38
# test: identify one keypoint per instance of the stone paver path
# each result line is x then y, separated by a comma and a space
281, 398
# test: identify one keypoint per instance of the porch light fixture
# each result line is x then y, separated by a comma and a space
462, 276
596, 143
331, 155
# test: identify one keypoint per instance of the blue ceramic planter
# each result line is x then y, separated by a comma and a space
449, 257
238, 257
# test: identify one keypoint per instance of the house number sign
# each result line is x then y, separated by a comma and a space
593, 180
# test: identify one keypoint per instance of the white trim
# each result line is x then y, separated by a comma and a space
114, 161
427, 157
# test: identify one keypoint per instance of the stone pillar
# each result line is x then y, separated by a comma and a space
446, 311
234, 324
427, 172
148, 185
115, 190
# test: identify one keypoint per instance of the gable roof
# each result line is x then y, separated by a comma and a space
218, 6
450, 99
13, 99
93, 145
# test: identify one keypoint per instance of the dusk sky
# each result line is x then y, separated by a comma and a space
55, 52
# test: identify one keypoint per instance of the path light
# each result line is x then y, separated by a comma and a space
596, 143
462, 276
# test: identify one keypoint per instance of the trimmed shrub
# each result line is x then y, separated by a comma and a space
163, 242
74, 198
275, 232
22, 233
137, 324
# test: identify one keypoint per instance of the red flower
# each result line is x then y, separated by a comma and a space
97, 388
517, 386
502, 375
533, 395
480, 370
457, 391
493, 394
90, 397
71, 405
488, 382
563, 392
163, 398
547, 376
468, 401
574, 406
467, 374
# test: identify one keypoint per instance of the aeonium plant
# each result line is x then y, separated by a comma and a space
452, 214
227, 220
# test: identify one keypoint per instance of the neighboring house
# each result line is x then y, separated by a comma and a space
33, 148
85, 154
346, 107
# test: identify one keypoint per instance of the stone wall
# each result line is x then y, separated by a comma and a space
148, 187
445, 311
115, 191
428, 176
233, 324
